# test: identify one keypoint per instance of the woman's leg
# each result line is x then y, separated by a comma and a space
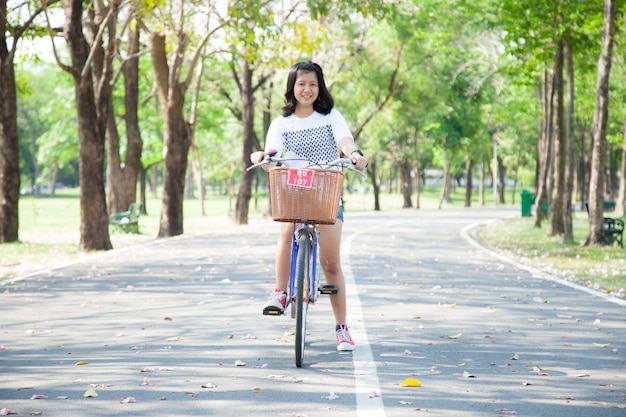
330, 243
283, 256
278, 298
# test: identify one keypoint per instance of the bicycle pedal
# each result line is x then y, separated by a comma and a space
273, 312
328, 289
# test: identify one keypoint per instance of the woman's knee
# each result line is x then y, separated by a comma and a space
331, 267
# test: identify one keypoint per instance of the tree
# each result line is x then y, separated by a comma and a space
557, 227
9, 144
570, 162
174, 76
600, 115
388, 103
536, 37
94, 222
250, 140
259, 37
122, 173
9, 140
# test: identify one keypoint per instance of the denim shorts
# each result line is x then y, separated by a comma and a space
340, 212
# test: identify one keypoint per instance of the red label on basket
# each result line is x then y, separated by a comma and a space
301, 177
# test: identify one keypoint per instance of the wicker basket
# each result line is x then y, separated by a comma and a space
318, 204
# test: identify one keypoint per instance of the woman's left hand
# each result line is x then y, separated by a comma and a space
359, 161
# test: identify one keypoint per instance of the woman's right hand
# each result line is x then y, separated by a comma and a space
257, 157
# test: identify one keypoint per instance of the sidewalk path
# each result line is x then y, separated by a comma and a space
173, 328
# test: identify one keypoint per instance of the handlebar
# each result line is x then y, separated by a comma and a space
270, 157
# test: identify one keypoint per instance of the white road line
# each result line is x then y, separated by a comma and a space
369, 401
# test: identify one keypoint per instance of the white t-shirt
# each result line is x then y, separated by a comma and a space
314, 138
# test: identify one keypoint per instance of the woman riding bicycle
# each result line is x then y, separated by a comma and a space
311, 129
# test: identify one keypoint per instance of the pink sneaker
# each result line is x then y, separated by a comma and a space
344, 341
275, 306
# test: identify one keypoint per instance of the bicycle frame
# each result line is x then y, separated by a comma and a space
312, 293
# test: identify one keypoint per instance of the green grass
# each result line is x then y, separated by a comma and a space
49, 233
599, 267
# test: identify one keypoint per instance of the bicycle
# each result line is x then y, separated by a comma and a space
307, 196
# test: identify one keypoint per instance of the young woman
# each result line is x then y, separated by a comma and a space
310, 128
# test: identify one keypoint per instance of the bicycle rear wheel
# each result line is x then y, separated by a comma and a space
302, 294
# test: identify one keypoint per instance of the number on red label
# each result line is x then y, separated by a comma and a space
301, 177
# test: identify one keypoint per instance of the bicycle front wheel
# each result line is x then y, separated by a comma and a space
302, 294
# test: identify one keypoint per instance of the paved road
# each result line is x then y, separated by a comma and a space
173, 328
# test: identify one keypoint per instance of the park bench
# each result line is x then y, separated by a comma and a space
613, 228
127, 221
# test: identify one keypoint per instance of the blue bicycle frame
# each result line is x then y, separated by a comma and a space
309, 229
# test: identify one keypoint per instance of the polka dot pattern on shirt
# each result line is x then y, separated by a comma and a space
317, 144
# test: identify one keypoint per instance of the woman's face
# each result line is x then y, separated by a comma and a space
306, 90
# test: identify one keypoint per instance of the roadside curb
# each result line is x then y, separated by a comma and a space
469, 234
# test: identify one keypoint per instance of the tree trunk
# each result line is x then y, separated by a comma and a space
249, 141
406, 168
54, 171
373, 174
418, 183
600, 115
611, 179
175, 136
9, 143
582, 168
94, 221
556, 221
621, 196
469, 165
543, 149
501, 183
190, 186
115, 172
516, 177
142, 189
196, 157
446, 180
122, 177
481, 180
570, 163
134, 142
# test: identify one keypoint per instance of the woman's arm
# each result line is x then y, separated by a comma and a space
348, 147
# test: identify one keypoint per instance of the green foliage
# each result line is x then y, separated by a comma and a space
253, 27
46, 122
531, 33
468, 73
344, 10
217, 136
59, 144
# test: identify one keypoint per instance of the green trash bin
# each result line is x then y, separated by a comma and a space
528, 199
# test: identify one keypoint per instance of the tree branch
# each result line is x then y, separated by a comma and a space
394, 88
196, 56
45, 5
21, 29
97, 39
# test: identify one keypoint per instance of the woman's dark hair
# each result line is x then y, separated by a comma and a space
324, 103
